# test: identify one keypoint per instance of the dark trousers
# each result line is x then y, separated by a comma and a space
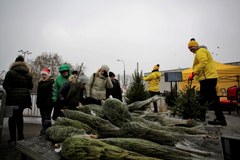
90, 100
154, 103
15, 124
46, 118
57, 110
209, 94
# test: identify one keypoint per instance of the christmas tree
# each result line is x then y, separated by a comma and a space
137, 90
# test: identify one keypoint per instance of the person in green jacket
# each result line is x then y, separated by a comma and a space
205, 72
59, 82
153, 80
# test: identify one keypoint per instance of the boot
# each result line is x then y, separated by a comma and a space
218, 122
12, 129
46, 125
155, 109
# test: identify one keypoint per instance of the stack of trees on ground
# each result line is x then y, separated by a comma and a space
115, 130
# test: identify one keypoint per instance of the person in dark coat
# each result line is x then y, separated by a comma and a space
17, 83
69, 93
116, 91
72, 93
44, 99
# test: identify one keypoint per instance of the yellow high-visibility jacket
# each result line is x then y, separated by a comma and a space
153, 80
203, 65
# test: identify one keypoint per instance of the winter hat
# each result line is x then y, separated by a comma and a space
111, 74
193, 43
105, 67
83, 79
46, 71
156, 67
20, 58
64, 67
74, 72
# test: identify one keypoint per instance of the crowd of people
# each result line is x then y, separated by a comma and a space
69, 89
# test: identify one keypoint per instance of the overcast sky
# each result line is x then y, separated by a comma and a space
98, 32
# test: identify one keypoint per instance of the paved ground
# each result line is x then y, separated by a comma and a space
32, 127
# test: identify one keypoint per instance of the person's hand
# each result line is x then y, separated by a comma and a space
62, 98
54, 104
105, 74
191, 76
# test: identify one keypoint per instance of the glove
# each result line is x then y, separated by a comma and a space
191, 76
54, 104
62, 98
105, 74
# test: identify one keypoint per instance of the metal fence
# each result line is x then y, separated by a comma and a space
2, 107
34, 112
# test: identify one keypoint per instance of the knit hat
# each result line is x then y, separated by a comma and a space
156, 67
20, 58
74, 72
105, 67
111, 74
83, 79
46, 71
193, 43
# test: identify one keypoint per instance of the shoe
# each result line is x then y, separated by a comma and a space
42, 133
9, 141
218, 122
21, 139
202, 119
12, 142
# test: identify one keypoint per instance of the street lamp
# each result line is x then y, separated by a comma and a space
124, 84
24, 53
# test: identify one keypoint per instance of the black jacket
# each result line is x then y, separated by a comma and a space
44, 93
116, 91
71, 94
18, 83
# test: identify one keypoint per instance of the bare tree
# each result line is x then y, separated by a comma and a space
80, 68
47, 60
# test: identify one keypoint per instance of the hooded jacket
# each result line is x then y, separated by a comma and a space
116, 91
60, 81
153, 80
203, 65
18, 83
96, 87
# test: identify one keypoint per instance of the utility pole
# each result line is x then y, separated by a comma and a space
124, 78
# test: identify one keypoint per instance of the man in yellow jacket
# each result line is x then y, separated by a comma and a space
153, 80
205, 72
